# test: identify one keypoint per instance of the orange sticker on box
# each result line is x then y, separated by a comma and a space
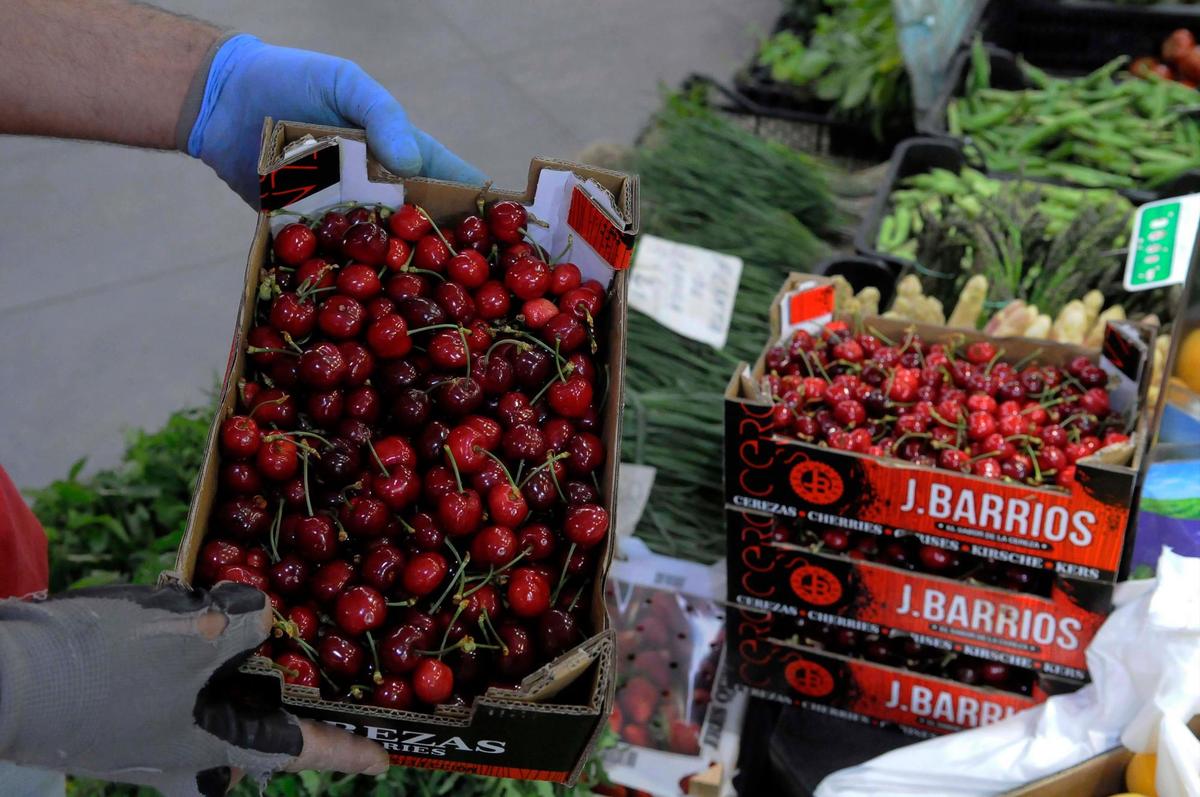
593, 226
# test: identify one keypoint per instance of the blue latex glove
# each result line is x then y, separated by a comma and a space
249, 80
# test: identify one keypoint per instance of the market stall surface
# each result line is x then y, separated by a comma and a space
121, 267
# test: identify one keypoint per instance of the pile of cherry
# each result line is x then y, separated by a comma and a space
412, 472
931, 404
911, 553
906, 652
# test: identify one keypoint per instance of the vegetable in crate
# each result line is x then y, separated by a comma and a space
852, 60
402, 381
969, 411
1037, 244
1180, 60
1106, 130
709, 183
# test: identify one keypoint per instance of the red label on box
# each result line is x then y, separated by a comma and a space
487, 770
593, 226
809, 304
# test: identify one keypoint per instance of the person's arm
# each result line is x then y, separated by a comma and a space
110, 70
105, 70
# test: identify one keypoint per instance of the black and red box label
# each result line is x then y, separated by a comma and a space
1047, 634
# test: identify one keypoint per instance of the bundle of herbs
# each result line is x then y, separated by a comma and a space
708, 183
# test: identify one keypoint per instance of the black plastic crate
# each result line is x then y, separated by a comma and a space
862, 271
914, 156
1072, 38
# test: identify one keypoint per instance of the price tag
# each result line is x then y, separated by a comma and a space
808, 307
685, 288
1160, 248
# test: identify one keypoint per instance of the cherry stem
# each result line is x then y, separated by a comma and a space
992, 362
274, 538
402, 604
541, 251
377, 677
520, 344
484, 616
484, 581
985, 455
382, 467
314, 435
454, 466
287, 338
1037, 470
881, 336
570, 242
307, 492
446, 634
267, 350
909, 435
562, 579
953, 425
453, 550
558, 360
499, 462
532, 338
436, 229
462, 566
542, 392
575, 600
1028, 358
433, 326
462, 333
550, 460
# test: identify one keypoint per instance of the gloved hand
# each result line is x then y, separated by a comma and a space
249, 80
126, 684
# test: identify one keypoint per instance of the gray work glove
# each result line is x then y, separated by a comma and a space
129, 684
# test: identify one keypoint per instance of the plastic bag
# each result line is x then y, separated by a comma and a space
930, 32
674, 715
1145, 666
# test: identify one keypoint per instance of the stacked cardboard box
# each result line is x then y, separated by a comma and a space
869, 636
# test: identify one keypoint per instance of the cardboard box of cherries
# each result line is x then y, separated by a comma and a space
416, 452
925, 524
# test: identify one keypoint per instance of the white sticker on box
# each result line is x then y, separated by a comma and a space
687, 289
634, 484
1161, 245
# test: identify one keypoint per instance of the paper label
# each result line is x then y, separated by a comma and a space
633, 490
808, 307
1160, 248
687, 289
598, 230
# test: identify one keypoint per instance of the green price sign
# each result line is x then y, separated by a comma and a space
1160, 248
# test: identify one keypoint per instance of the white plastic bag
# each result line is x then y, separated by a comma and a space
1145, 666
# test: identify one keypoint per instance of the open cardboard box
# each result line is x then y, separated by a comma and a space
1099, 776
1079, 532
546, 729
1045, 634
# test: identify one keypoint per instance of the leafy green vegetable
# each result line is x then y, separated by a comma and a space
851, 59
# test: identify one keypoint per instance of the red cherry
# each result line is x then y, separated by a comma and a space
410, 223
537, 312
468, 268
322, 366
456, 302
399, 254
341, 656
980, 425
365, 243
506, 505
399, 489
424, 573
392, 692
382, 566
934, 558
331, 229
491, 301
278, 460
585, 524
564, 277
571, 398
243, 575
359, 281
431, 254
433, 682
315, 273
315, 538
466, 448
289, 576
565, 331
528, 278
364, 517
293, 315
240, 437
330, 580
341, 317
294, 244
398, 651
325, 408
849, 412
587, 452
298, 669
460, 512
507, 220
539, 540
393, 451
494, 545
360, 609
216, 554
528, 592
388, 337
581, 303
407, 286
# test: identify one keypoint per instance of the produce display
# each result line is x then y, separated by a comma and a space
770, 206
970, 411
851, 60
1180, 60
411, 472
1105, 130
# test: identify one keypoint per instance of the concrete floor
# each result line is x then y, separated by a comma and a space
119, 269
